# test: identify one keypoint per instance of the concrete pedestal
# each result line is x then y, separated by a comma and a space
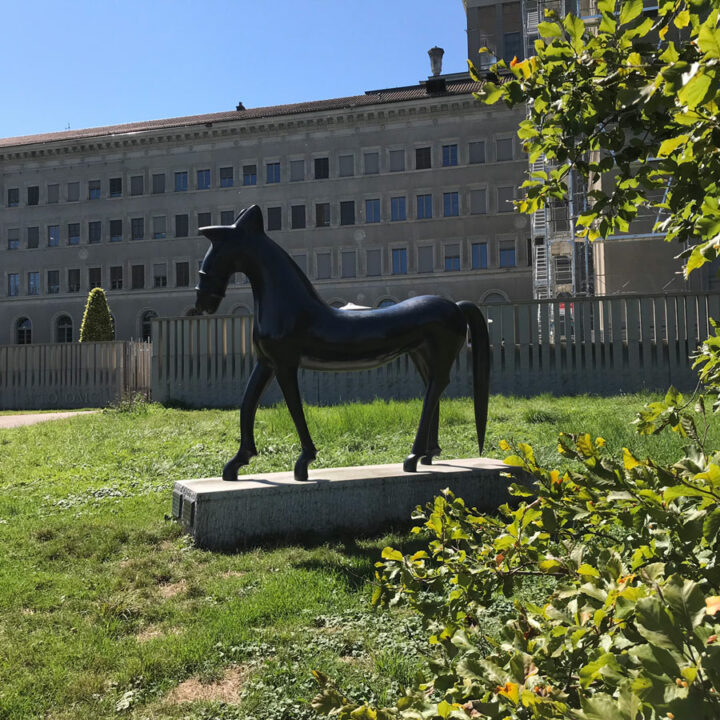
356, 500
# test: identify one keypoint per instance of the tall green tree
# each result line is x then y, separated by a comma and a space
629, 101
97, 323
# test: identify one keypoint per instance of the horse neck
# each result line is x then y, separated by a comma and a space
273, 274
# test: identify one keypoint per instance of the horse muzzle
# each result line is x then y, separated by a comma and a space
206, 302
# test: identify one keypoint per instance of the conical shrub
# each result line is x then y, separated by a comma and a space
97, 323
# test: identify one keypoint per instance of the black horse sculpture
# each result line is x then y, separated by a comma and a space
293, 328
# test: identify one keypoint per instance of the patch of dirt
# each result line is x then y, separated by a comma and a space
152, 631
234, 573
171, 589
227, 689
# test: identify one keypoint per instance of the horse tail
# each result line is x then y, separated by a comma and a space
480, 364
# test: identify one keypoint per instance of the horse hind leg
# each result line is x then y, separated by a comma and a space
257, 383
287, 379
421, 447
432, 448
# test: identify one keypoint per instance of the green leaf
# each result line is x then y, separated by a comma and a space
709, 40
667, 147
389, 553
657, 626
695, 91
682, 19
629, 10
549, 30
575, 28
685, 599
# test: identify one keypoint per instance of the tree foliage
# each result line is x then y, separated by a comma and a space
630, 103
97, 323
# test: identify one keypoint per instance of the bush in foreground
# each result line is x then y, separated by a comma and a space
630, 548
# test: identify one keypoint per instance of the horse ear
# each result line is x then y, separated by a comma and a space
252, 219
213, 233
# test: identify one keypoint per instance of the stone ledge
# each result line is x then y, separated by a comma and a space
357, 500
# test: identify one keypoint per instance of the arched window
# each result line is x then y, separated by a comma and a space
386, 303
146, 325
23, 331
494, 298
242, 311
63, 329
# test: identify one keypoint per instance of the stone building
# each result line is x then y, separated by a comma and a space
378, 197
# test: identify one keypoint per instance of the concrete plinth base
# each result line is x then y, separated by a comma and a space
360, 500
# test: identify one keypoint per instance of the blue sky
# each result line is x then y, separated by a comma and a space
85, 64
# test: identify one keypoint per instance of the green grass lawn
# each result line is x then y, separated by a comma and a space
107, 610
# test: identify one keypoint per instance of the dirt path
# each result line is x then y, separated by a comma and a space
10, 421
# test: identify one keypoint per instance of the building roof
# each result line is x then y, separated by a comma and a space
374, 97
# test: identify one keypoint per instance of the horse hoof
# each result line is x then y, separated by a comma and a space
427, 459
410, 464
230, 472
301, 471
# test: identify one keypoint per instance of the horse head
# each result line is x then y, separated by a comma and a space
221, 259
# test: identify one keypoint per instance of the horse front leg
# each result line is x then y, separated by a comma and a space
259, 379
433, 447
287, 379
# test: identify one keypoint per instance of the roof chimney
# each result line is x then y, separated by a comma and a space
435, 83
436, 55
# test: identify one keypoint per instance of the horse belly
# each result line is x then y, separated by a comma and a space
341, 362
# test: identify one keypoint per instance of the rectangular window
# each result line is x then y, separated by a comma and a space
227, 217
504, 149
160, 275
227, 177
73, 233
373, 262
274, 218
13, 197
479, 256
272, 172
452, 257
399, 261
94, 231
13, 284
371, 163
33, 283
347, 212
507, 257
137, 184
137, 228
476, 151
14, 239
159, 227
301, 261
297, 217
33, 237
116, 231
181, 181
512, 46
53, 282
397, 160
94, 277
322, 168
426, 259
372, 210
116, 277
204, 219
249, 174
53, 194
203, 179
115, 187
322, 262
74, 280
397, 209
346, 165
505, 197
424, 207
322, 215
73, 192
182, 225
33, 195
449, 155
137, 277
53, 235
478, 202
158, 183
423, 158
451, 204
94, 190
182, 274
297, 170
348, 265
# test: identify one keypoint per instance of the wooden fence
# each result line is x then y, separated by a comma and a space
72, 375
595, 345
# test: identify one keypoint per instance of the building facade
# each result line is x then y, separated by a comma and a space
378, 197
